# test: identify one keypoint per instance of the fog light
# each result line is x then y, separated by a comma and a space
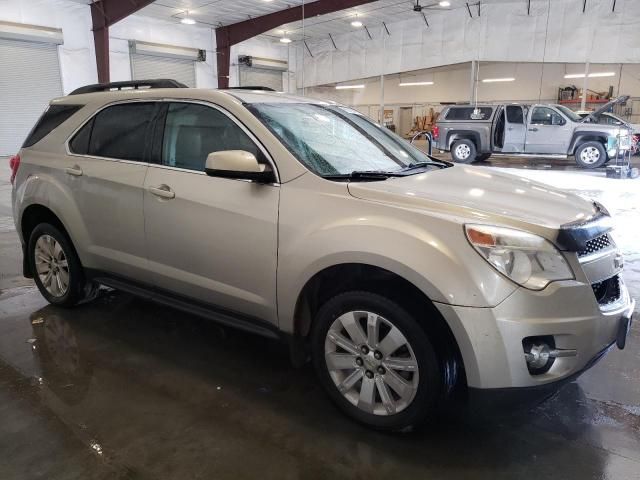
541, 352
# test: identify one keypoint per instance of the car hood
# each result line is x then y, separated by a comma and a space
605, 108
475, 194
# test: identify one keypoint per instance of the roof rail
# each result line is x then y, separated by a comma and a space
129, 85
265, 89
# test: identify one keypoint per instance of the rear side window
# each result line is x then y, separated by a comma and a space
469, 113
53, 117
120, 131
514, 114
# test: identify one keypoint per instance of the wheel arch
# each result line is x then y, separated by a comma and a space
455, 135
338, 278
581, 137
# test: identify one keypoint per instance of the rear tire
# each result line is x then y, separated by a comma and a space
375, 361
483, 157
56, 268
591, 155
463, 151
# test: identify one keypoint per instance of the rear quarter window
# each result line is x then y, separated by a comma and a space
469, 113
52, 118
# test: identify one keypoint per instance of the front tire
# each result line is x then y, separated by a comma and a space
55, 265
463, 151
591, 155
375, 361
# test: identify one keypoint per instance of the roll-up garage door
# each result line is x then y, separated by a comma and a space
260, 77
146, 67
29, 79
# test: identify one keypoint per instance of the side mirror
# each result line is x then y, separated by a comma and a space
237, 164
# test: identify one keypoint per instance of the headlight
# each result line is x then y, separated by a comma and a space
527, 259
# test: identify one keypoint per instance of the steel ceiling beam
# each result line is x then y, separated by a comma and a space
229, 35
105, 13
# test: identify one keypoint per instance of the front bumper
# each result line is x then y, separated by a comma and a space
490, 339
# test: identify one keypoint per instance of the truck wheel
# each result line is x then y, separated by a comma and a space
375, 361
463, 151
590, 155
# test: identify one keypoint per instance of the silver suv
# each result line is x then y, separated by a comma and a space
406, 278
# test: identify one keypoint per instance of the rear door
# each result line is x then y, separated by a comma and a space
208, 238
515, 129
106, 170
547, 131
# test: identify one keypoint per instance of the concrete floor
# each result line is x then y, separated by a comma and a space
125, 389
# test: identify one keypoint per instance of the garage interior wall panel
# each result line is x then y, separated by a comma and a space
555, 31
261, 77
146, 67
29, 79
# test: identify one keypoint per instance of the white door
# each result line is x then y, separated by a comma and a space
260, 77
29, 79
149, 67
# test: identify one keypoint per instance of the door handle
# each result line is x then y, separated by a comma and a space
533, 129
510, 128
162, 191
76, 171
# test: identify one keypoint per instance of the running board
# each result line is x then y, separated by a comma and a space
531, 155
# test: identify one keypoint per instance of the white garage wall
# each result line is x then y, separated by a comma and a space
77, 53
262, 46
503, 32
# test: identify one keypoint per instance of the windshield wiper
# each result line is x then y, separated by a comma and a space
416, 166
365, 175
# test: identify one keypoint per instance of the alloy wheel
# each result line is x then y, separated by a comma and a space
52, 266
590, 155
463, 151
371, 363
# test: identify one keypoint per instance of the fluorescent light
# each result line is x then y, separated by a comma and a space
356, 23
188, 21
348, 87
285, 40
444, 4
491, 80
413, 84
603, 74
591, 75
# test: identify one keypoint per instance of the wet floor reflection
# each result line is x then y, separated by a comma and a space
148, 392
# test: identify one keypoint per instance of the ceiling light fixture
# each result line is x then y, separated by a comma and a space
492, 80
285, 40
188, 20
591, 75
413, 84
444, 3
356, 23
349, 87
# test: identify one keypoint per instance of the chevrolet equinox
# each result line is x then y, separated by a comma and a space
405, 278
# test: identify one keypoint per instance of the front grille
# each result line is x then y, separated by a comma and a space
595, 245
607, 291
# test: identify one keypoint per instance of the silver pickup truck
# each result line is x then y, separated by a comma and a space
473, 133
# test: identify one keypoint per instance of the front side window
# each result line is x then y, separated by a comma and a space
120, 131
333, 140
193, 131
546, 116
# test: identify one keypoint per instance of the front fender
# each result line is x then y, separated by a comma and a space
430, 252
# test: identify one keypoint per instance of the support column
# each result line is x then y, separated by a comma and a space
585, 85
473, 82
101, 42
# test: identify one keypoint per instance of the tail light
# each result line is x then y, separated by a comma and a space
435, 132
14, 163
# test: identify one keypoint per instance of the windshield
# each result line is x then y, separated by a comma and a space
569, 113
333, 140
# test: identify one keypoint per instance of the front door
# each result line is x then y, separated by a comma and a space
514, 129
547, 131
210, 239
